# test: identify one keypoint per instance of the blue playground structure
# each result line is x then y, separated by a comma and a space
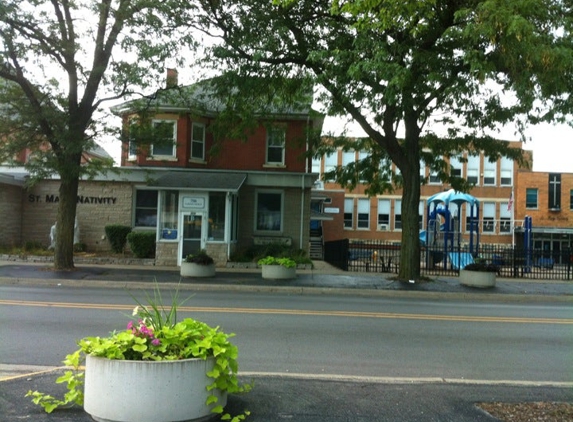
443, 235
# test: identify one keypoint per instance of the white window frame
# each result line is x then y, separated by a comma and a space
489, 172
174, 138
363, 210
383, 214
473, 169
504, 218
506, 172
488, 218
330, 162
197, 141
456, 167
398, 214
276, 139
281, 223
348, 209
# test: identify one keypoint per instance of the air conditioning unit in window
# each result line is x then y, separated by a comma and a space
383, 227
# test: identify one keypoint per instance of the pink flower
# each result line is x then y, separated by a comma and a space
130, 325
155, 342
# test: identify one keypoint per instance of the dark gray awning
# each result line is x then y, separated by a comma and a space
320, 216
206, 181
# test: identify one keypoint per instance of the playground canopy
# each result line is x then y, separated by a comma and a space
452, 196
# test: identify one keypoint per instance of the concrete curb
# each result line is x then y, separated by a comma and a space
295, 290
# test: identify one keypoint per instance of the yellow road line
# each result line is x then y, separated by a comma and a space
348, 314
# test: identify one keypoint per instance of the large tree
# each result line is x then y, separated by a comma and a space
60, 61
395, 66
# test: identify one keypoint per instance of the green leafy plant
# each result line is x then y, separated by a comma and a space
117, 236
155, 335
271, 260
201, 258
142, 244
482, 267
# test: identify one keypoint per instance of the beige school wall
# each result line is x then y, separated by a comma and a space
10, 215
99, 204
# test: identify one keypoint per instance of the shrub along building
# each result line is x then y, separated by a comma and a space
251, 191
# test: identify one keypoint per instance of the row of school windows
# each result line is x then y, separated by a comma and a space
153, 204
471, 170
167, 147
357, 215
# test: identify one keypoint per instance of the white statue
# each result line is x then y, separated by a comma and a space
53, 234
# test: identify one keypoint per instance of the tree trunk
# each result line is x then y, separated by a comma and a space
64, 247
410, 247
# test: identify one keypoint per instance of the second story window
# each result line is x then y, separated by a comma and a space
506, 176
531, 198
165, 137
473, 169
489, 175
198, 141
275, 145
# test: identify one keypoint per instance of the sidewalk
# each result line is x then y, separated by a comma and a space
322, 279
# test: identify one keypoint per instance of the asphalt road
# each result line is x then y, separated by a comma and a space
319, 336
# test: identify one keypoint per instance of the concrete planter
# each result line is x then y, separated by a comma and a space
148, 391
278, 272
477, 278
191, 269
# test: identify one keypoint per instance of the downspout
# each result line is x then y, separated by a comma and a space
302, 202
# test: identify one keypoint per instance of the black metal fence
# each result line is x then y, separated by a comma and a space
384, 257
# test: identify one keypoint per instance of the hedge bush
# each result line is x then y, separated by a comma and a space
117, 236
142, 244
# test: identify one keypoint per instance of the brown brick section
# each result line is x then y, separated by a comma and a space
10, 215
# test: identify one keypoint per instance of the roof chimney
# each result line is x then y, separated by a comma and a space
171, 80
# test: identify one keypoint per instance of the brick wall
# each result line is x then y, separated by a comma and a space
99, 204
10, 215
542, 216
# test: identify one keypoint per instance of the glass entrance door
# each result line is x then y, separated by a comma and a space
194, 232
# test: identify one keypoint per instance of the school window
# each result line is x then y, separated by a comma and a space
198, 141
455, 167
276, 145
488, 217
131, 143
398, 215
269, 211
383, 214
531, 198
165, 135
330, 163
421, 210
554, 191
473, 169
348, 213
504, 218
506, 176
571, 199
348, 157
363, 214
489, 172
316, 165
145, 208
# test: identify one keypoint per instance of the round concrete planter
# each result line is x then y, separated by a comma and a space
148, 391
191, 269
278, 272
477, 278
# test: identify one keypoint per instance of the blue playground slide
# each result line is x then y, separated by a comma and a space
459, 260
